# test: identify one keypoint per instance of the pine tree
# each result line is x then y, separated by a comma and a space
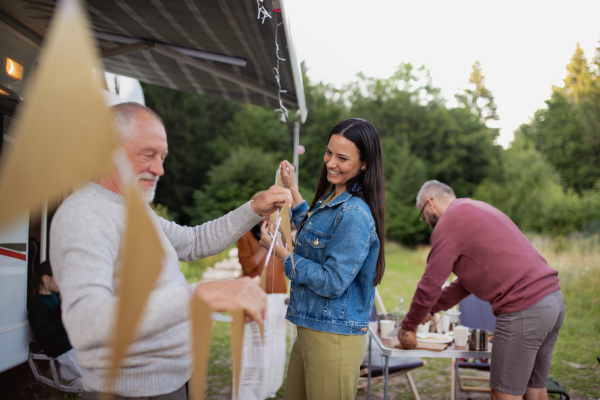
579, 79
479, 99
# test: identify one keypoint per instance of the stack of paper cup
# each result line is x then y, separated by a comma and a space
442, 324
445, 323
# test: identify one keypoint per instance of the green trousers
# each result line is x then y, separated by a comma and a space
324, 365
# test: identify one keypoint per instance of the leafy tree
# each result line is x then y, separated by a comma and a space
529, 190
258, 127
567, 133
455, 145
404, 173
232, 183
192, 122
524, 171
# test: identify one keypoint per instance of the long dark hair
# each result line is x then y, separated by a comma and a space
43, 269
364, 135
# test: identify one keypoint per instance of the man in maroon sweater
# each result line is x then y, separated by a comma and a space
493, 260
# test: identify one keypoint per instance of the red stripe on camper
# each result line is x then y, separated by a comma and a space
13, 254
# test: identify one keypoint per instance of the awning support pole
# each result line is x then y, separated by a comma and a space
296, 144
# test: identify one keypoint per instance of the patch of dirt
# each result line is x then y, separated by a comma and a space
18, 383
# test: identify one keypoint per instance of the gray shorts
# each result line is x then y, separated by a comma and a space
523, 344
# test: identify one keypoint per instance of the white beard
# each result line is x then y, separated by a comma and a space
147, 193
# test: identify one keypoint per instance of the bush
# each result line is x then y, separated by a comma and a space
232, 183
404, 175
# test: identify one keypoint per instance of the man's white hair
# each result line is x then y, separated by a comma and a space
124, 120
436, 190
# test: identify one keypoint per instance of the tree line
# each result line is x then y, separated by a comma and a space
220, 152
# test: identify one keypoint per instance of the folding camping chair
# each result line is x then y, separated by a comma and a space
553, 387
397, 366
476, 314
37, 360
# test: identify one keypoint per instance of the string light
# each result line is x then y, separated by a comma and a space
262, 12
282, 110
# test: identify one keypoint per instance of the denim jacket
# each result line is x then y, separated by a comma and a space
335, 261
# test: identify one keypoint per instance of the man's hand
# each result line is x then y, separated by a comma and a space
408, 339
271, 200
235, 294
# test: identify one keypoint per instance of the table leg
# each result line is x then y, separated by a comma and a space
369, 373
453, 378
386, 376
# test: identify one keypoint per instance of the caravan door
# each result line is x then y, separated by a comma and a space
14, 327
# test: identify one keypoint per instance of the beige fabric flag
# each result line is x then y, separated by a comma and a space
64, 133
202, 326
237, 344
278, 182
142, 265
285, 227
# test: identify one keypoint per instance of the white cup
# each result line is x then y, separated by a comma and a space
445, 323
461, 334
387, 326
423, 328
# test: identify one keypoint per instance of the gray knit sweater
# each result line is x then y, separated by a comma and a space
85, 253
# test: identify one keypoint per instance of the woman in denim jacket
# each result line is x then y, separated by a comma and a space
337, 263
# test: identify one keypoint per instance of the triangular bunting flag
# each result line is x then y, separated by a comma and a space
142, 265
63, 132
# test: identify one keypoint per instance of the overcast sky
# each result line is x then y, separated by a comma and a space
523, 46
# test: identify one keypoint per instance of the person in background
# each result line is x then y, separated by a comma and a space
86, 252
493, 260
47, 326
263, 362
338, 260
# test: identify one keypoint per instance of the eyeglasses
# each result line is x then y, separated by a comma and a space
421, 213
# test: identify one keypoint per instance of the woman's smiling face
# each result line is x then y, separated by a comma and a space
342, 160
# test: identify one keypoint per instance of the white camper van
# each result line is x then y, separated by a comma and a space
18, 51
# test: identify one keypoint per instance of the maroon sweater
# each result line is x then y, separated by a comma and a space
490, 257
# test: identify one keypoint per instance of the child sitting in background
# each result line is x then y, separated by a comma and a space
46, 323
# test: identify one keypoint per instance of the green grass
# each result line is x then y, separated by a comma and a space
574, 362
402, 273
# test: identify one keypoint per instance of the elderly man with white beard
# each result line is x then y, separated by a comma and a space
86, 253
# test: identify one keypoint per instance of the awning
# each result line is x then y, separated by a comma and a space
232, 49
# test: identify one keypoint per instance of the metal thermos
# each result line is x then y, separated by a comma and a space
478, 339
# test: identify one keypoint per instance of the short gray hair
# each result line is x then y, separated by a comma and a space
436, 190
124, 120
